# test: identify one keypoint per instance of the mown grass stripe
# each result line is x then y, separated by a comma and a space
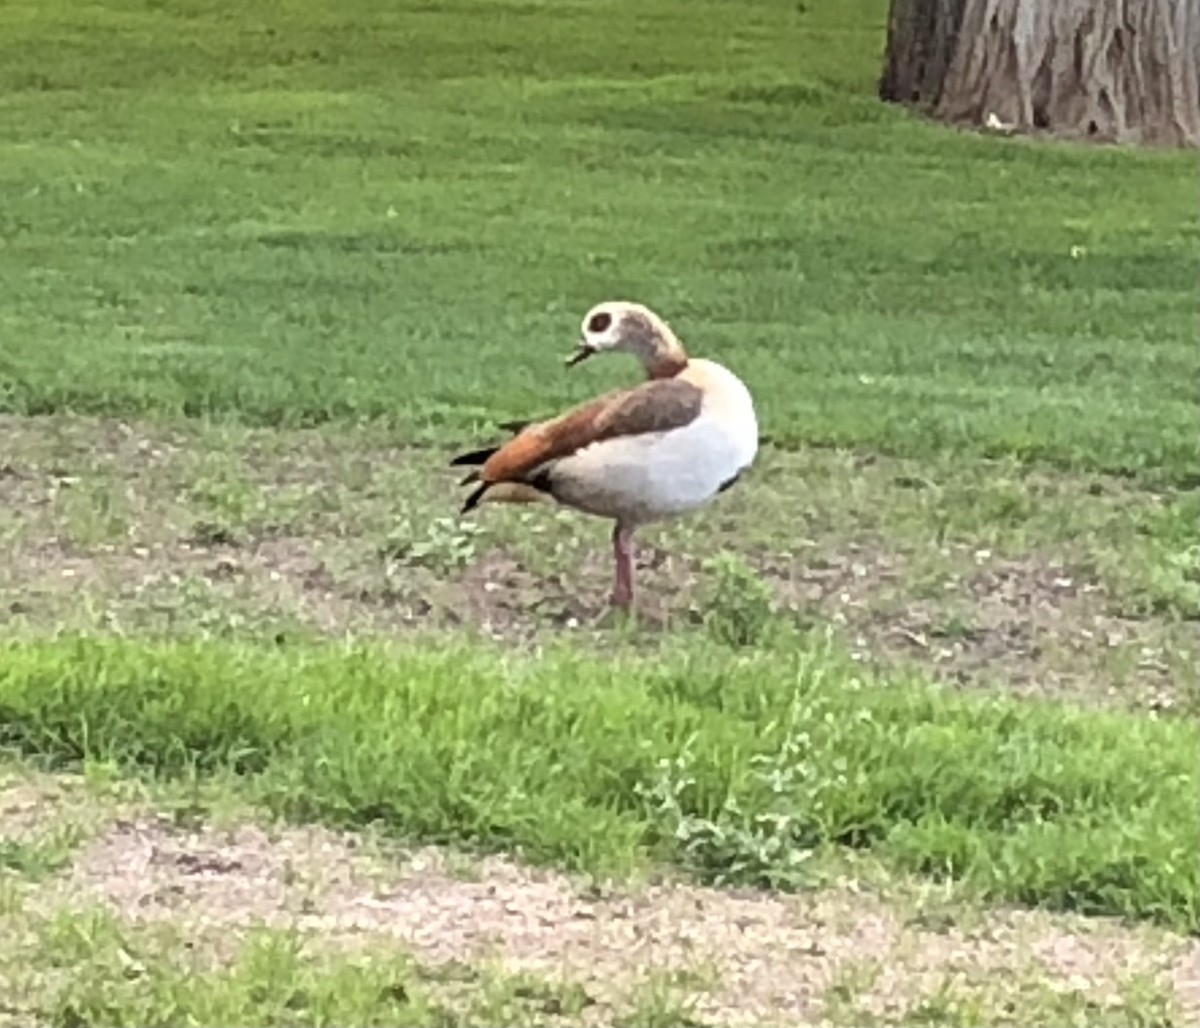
276, 228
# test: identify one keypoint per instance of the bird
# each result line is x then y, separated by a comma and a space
656, 450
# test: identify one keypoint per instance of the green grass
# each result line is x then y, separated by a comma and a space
39, 858
732, 766
400, 212
119, 974
1138, 1005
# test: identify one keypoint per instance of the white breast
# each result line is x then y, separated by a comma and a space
728, 400
647, 477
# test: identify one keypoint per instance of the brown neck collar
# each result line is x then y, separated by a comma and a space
667, 364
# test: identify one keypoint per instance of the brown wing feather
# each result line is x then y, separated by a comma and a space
654, 406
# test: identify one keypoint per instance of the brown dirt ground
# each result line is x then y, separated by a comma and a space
750, 958
136, 528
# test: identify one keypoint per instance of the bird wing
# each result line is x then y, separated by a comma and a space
654, 406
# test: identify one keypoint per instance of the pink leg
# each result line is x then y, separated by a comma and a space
622, 594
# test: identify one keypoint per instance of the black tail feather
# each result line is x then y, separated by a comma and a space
472, 501
479, 456
515, 427
474, 457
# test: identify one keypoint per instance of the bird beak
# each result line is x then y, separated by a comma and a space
582, 353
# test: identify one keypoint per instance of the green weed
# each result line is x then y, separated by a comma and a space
740, 608
40, 857
445, 543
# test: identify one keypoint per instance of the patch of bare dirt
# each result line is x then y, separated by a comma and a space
34, 807
135, 528
507, 599
1030, 624
23, 810
760, 958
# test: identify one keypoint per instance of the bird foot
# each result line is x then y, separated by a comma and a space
613, 617
621, 600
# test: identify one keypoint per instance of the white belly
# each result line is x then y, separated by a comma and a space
636, 479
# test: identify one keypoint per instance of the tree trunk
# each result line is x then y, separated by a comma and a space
1124, 71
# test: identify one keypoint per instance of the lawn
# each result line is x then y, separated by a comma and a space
401, 212
929, 668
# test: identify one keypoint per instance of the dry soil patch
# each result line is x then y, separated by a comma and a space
747, 958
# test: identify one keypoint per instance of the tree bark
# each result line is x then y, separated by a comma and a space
1123, 71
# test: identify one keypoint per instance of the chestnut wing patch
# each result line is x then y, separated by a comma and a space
655, 406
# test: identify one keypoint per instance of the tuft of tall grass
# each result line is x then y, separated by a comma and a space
733, 764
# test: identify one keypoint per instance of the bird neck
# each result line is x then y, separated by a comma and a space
659, 350
667, 364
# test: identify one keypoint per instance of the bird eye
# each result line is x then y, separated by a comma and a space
599, 322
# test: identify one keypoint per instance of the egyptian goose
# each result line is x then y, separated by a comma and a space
659, 449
